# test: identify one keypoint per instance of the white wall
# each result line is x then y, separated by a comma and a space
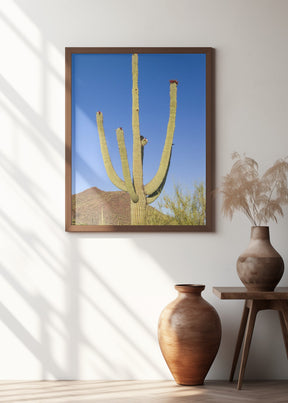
86, 306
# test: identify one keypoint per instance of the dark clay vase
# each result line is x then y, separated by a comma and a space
260, 267
189, 334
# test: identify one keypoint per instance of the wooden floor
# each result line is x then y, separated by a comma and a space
141, 392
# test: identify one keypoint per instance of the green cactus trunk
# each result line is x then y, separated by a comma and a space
138, 212
141, 195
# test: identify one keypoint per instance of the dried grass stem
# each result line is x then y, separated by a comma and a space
260, 198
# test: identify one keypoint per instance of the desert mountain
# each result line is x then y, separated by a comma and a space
97, 207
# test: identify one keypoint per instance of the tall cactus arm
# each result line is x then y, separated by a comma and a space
114, 178
151, 198
155, 183
137, 154
125, 165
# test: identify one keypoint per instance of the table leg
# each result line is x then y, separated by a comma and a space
283, 314
239, 340
247, 341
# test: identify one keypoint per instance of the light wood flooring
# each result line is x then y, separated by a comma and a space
141, 392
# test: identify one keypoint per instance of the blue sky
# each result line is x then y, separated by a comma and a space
103, 82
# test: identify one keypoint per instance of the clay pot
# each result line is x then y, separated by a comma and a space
189, 334
260, 267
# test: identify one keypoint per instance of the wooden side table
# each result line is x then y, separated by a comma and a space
254, 301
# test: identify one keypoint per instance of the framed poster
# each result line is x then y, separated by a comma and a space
139, 130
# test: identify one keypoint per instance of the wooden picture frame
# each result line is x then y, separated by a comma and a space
109, 186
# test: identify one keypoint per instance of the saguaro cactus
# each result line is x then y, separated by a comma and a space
141, 195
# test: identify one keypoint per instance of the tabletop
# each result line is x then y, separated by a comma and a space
243, 293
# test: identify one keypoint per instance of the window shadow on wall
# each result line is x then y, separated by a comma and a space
56, 326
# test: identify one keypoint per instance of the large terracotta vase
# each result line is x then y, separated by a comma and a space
260, 267
189, 335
